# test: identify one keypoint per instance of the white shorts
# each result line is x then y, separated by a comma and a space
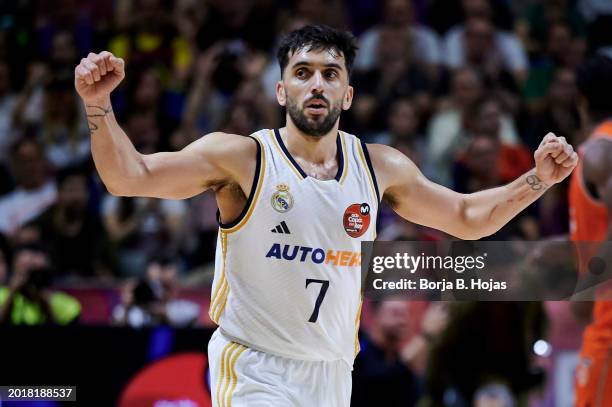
241, 376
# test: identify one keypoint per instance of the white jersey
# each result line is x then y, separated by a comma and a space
287, 271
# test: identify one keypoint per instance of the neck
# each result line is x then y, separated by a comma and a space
314, 149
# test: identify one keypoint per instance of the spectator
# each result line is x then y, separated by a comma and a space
402, 131
562, 50
63, 56
535, 19
486, 162
446, 131
78, 243
51, 18
477, 42
34, 105
153, 300
29, 299
148, 98
228, 74
477, 167
35, 189
162, 274
250, 109
395, 75
424, 43
205, 105
380, 364
139, 307
559, 113
187, 18
144, 130
141, 227
64, 130
30, 102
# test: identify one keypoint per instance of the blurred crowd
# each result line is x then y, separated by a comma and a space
466, 88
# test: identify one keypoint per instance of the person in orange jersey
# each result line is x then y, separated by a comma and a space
590, 198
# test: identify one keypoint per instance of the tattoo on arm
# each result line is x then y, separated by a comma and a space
535, 183
102, 112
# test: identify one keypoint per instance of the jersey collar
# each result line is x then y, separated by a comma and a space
339, 147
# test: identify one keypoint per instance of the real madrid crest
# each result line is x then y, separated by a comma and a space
282, 200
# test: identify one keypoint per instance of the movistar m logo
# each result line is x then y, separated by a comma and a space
315, 255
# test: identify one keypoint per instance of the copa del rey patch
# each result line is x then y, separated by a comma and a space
356, 219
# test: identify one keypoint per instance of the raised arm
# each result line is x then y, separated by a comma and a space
214, 159
468, 216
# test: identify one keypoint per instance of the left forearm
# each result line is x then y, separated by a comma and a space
487, 211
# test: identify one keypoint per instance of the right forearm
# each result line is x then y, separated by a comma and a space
115, 157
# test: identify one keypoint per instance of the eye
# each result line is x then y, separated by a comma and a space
300, 73
331, 74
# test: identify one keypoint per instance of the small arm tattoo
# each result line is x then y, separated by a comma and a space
535, 183
102, 112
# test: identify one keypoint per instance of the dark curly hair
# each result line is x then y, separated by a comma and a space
318, 38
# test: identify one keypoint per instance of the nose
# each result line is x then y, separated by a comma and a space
317, 83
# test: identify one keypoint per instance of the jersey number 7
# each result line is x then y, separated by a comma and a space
324, 286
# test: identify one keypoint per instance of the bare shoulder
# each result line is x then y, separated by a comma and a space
224, 143
232, 153
391, 166
597, 160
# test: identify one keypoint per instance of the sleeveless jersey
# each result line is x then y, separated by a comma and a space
287, 271
589, 222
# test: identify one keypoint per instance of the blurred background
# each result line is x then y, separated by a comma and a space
111, 294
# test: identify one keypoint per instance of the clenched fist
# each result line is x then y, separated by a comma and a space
555, 159
97, 75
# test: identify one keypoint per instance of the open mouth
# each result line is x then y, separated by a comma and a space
316, 106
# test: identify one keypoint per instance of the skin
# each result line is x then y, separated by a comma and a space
597, 171
226, 163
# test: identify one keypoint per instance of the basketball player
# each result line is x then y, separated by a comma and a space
590, 198
294, 205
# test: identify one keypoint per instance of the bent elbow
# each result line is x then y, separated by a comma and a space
114, 190
471, 227
477, 232
120, 188
470, 235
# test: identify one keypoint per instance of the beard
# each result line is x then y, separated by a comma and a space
320, 125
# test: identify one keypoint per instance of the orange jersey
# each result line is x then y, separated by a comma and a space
589, 222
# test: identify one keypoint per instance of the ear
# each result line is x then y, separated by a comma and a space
281, 96
348, 99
